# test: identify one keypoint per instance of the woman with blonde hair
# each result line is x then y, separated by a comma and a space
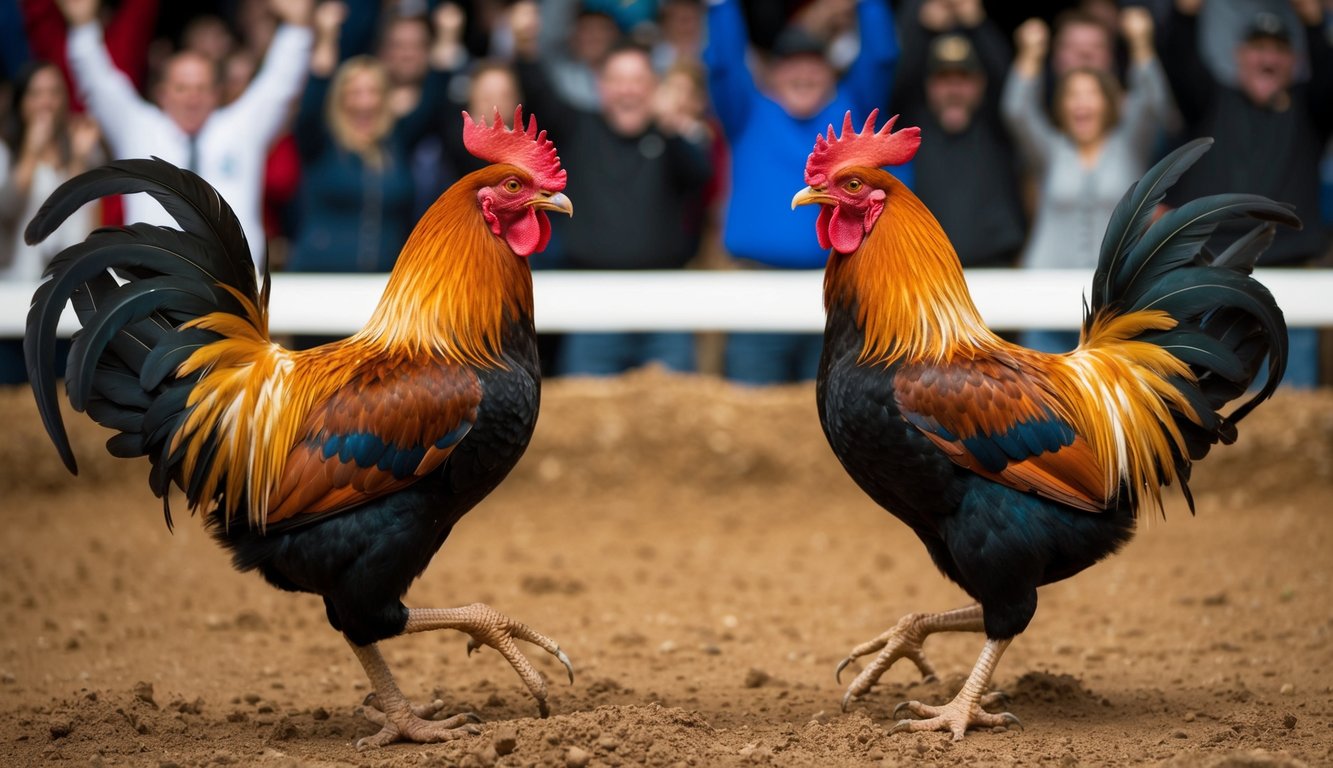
355, 204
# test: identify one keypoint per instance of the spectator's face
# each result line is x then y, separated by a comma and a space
45, 97
1264, 69
362, 102
679, 93
592, 38
953, 96
188, 93
802, 84
406, 51
491, 89
1080, 44
209, 36
682, 26
627, 84
1082, 111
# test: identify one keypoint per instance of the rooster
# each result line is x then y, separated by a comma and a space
338, 470
1017, 468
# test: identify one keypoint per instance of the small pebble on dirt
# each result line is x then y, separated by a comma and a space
756, 677
252, 698
1179, 734
1287, 689
1190, 717
60, 727
143, 691
576, 758
506, 739
320, 713
1289, 721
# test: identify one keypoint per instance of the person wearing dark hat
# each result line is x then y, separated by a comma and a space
769, 122
954, 62
1269, 129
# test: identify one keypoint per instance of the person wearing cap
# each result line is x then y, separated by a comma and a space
1269, 132
953, 65
770, 122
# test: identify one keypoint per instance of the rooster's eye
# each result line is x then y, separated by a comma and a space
512, 186
854, 185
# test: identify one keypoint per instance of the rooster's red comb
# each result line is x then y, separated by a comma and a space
869, 148
526, 148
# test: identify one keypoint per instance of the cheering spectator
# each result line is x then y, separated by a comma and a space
770, 130
43, 147
953, 66
681, 33
1269, 130
127, 35
356, 193
641, 174
1096, 148
575, 39
227, 145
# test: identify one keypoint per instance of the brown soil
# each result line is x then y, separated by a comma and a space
706, 563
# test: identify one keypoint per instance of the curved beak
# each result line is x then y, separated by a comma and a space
557, 201
811, 196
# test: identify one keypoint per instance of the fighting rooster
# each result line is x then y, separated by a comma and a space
337, 470
1017, 468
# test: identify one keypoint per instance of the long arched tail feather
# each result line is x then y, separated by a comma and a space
133, 288
1226, 322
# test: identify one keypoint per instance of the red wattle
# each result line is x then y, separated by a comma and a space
528, 233
845, 230
821, 226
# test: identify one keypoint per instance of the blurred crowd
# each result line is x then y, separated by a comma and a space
331, 125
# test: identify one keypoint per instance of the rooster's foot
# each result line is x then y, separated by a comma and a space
956, 717
486, 626
407, 723
905, 640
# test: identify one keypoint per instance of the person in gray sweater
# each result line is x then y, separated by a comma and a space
1083, 161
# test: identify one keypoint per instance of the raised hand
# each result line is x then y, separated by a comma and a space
1032, 39
79, 12
84, 134
1136, 25
296, 12
329, 18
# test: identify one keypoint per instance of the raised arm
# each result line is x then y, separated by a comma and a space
540, 96
1190, 81
1147, 107
730, 83
128, 34
1021, 104
265, 103
1321, 63
869, 78
447, 56
106, 91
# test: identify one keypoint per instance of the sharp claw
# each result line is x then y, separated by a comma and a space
837, 673
902, 726
846, 699
1011, 719
898, 710
473, 716
472, 645
371, 700
559, 654
931, 678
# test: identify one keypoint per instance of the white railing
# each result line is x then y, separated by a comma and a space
698, 300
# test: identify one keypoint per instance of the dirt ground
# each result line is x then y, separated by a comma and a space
705, 562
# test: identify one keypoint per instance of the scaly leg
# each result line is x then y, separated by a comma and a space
965, 710
486, 626
399, 720
904, 640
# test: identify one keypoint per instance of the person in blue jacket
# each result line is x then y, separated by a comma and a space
771, 125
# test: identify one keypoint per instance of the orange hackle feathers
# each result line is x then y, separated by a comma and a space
868, 148
527, 148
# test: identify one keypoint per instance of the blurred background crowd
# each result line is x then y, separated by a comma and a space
330, 126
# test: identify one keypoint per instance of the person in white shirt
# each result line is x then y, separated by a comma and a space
225, 145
